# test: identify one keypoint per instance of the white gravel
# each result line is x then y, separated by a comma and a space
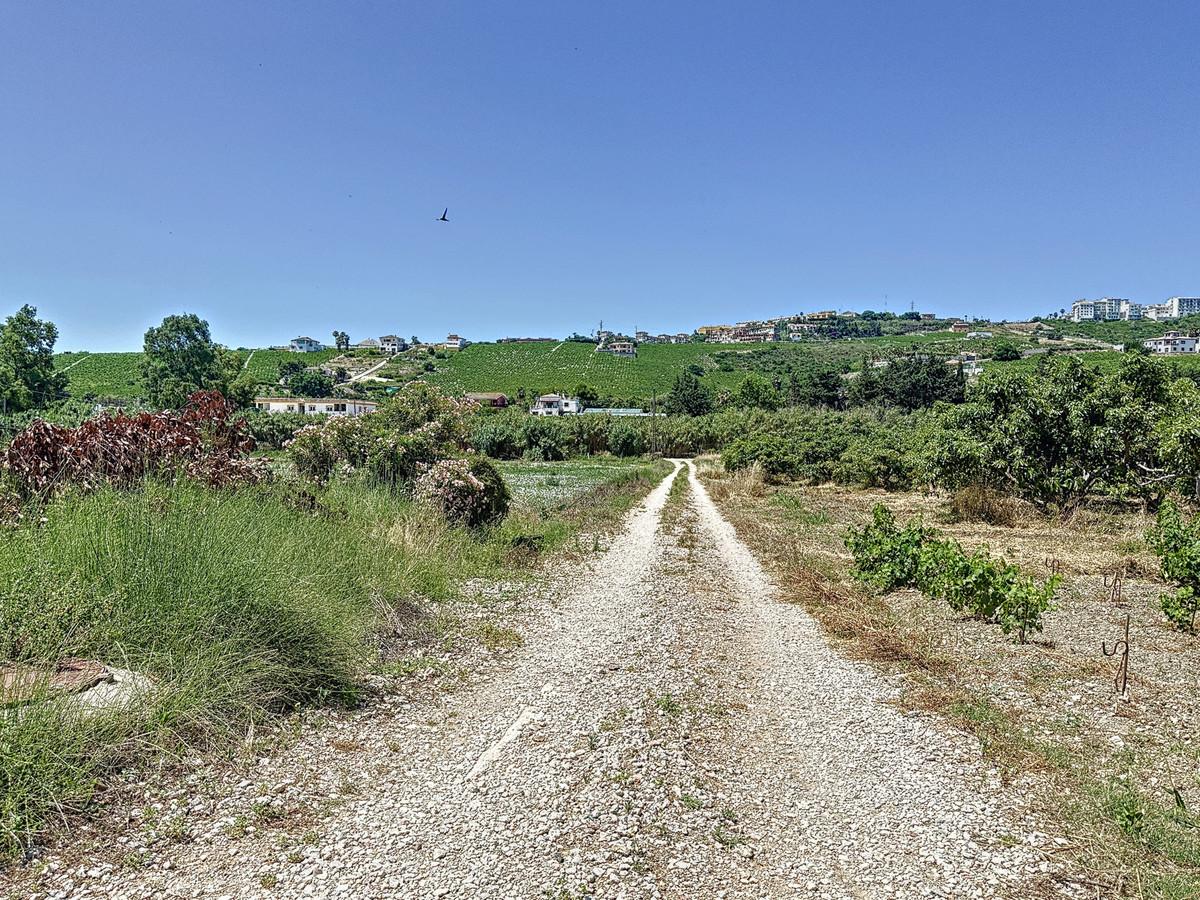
669, 729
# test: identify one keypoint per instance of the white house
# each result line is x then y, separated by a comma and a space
618, 348
305, 345
325, 406
454, 342
556, 405
367, 344
1171, 342
390, 343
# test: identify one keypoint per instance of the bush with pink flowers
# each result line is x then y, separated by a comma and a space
465, 491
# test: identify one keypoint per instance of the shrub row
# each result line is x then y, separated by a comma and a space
887, 556
203, 442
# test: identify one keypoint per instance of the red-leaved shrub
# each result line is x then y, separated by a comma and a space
204, 442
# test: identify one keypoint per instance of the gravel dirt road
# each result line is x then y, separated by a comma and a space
670, 728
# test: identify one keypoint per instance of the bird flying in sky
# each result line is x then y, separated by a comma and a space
442, 217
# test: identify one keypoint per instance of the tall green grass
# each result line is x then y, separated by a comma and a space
236, 604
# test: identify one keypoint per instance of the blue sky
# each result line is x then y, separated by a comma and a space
277, 167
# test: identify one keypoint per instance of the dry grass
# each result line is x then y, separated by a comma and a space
1047, 710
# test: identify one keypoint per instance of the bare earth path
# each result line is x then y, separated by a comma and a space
669, 729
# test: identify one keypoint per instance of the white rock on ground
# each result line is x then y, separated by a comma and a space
670, 729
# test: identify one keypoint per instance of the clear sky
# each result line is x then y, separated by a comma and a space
277, 167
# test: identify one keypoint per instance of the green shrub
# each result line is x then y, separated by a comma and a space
626, 440
887, 557
775, 455
1177, 544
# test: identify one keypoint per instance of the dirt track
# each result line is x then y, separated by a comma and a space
668, 729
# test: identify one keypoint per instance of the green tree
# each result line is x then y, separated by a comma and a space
181, 357
310, 383
587, 395
27, 376
1065, 432
918, 381
816, 389
1005, 351
688, 396
289, 368
755, 392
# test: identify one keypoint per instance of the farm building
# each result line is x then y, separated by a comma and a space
489, 398
556, 405
326, 406
305, 345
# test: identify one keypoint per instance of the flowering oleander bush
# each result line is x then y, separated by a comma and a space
465, 491
204, 442
416, 428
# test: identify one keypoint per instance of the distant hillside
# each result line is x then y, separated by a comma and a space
545, 367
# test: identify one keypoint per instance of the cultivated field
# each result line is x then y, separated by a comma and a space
102, 374
1118, 778
561, 367
544, 367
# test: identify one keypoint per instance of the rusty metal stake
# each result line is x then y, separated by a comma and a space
1116, 585
1121, 681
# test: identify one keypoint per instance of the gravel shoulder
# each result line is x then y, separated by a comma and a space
667, 729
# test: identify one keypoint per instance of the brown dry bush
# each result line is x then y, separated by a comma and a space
976, 503
747, 482
871, 626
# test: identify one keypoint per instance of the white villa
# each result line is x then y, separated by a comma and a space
305, 345
324, 406
454, 342
390, 343
1170, 343
618, 348
556, 405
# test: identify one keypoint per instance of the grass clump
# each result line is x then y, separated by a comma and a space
235, 604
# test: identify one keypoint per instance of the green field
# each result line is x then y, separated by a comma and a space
544, 367
1104, 360
118, 375
546, 485
263, 365
102, 374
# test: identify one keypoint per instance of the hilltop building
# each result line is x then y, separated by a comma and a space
305, 345
390, 343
